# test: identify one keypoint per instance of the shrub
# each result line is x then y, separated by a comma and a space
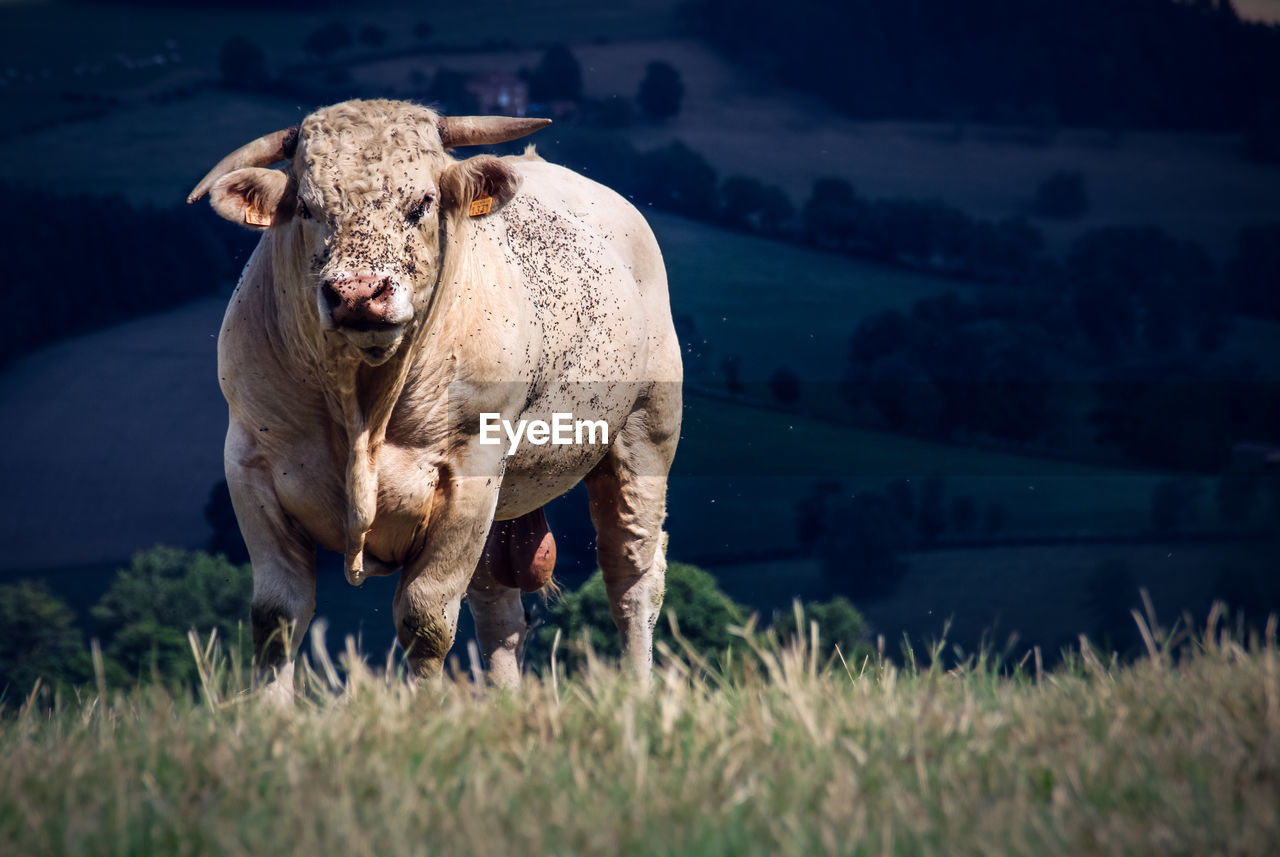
558, 76
703, 611
661, 91
679, 179
327, 40
151, 605
373, 35
840, 625
1254, 272
785, 386
1174, 504
38, 639
1061, 195
862, 537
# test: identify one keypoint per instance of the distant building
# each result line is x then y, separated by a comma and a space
499, 93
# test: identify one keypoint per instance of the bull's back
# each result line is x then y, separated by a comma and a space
628, 237
593, 265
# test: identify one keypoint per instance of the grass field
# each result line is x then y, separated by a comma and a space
1171, 755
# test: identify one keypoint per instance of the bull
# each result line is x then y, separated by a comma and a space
397, 294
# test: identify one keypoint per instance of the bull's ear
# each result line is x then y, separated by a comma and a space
478, 186
254, 197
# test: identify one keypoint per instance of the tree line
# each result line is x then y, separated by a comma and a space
87, 262
143, 619
1141, 63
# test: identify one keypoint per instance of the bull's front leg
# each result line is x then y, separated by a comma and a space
283, 558
431, 587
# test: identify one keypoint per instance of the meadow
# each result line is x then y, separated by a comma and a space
771, 751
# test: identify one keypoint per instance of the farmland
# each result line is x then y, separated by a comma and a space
746, 462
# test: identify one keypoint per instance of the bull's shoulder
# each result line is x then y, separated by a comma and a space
602, 214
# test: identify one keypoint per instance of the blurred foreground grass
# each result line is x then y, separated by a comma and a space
771, 752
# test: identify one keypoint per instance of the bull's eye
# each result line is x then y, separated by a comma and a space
416, 213
303, 211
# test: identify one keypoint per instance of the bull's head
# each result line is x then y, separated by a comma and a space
361, 203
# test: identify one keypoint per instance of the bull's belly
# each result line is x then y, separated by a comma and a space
529, 487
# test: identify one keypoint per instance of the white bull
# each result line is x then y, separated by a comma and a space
396, 295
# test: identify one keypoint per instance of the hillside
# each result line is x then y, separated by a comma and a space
162, 126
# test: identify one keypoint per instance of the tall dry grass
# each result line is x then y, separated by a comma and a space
770, 751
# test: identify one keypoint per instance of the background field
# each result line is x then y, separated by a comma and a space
116, 436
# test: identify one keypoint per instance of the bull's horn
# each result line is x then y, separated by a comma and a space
485, 130
260, 153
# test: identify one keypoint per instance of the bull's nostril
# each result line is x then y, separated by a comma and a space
331, 296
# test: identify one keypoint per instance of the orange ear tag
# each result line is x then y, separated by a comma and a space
483, 205
255, 217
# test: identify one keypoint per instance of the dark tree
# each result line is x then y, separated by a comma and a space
964, 513
776, 211
557, 77
785, 386
1173, 505
880, 335
751, 206
703, 612
731, 368
38, 640
151, 605
995, 518
373, 35
1254, 273
1110, 592
449, 90
1029, 65
833, 214
840, 626
327, 40
1139, 285
811, 512
678, 179
1061, 195
931, 517
242, 64
1177, 415
661, 91
740, 198
607, 158
860, 545
902, 496
1236, 497
1263, 143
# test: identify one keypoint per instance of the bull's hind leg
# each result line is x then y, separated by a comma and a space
501, 623
519, 555
628, 492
